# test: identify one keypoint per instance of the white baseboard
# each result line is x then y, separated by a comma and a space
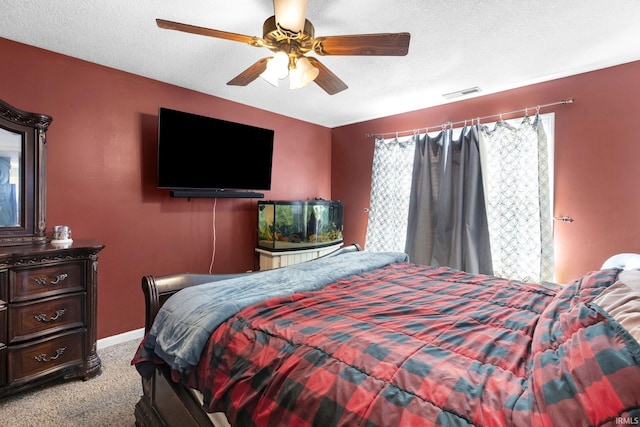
120, 338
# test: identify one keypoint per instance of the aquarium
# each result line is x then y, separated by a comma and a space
295, 225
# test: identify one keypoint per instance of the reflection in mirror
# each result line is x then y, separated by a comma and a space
10, 161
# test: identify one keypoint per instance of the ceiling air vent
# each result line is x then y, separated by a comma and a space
462, 92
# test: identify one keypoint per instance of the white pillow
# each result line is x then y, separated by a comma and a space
626, 261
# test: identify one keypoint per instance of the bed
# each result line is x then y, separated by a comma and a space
370, 339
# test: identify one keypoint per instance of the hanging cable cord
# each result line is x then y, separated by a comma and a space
213, 226
475, 120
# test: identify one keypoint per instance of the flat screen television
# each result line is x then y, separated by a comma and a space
201, 156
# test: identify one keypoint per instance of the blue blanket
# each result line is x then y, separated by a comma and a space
187, 319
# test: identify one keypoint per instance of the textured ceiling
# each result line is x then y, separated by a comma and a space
493, 44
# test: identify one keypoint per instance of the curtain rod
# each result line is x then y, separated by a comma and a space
476, 120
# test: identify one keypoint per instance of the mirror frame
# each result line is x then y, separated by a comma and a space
32, 127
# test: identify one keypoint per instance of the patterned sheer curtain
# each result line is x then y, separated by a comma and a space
517, 186
390, 193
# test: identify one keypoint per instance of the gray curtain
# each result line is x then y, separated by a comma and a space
447, 220
428, 166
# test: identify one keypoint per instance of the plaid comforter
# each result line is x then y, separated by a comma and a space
409, 345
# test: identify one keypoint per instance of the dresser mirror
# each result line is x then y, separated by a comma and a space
22, 175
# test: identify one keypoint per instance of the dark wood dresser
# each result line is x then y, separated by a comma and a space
48, 301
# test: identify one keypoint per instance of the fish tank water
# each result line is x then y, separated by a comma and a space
295, 225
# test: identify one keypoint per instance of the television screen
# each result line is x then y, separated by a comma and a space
203, 153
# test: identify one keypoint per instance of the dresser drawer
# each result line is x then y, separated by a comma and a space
3, 325
3, 363
3, 285
32, 282
25, 362
28, 320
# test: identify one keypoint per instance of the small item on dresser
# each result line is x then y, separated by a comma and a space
61, 234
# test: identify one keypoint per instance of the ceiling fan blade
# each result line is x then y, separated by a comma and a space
326, 79
170, 25
250, 74
384, 44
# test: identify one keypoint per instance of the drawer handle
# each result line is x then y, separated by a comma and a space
43, 280
43, 357
43, 317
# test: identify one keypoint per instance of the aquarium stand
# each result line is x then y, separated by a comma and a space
275, 259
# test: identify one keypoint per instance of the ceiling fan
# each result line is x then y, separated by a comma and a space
291, 36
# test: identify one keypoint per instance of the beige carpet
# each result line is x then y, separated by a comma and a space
107, 400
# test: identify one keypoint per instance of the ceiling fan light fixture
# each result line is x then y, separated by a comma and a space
292, 36
277, 68
290, 14
303, 73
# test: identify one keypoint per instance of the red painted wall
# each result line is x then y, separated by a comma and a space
101, 174
596, 161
